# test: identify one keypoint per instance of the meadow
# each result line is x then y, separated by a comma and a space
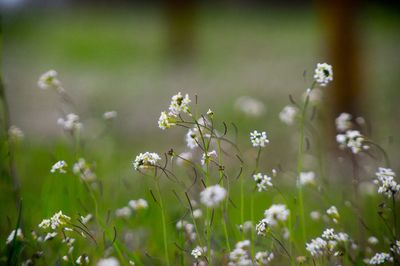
232, 182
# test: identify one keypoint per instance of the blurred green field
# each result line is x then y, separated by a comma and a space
118, 60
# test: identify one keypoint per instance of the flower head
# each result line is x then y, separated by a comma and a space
288, 114
110, 115
212, 196
138, 204
146, 160
197, 252
192, 138
111, 261
264, 257
206, 158
276, 213
306, 178
380, 258
15, 133
60, 167
165, 121
263, 227
343, 122
71, 123
12, 235
258, 139
387, 183
56, 221
179, 104
82, 169
49, 80
263, 182
323, 74
316, 247
353, 140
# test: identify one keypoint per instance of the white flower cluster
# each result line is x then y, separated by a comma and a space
12, 235
288, 114
206, 158
56, 221
250, 106
396, 247
60, 167
49, 80
330, 241
353, 140
179, 103
111, 261
323, 74
109, 115
198, 251
146, 160
387, 183
264, 257
83, 170
262, 228
192, 138
380, 258
15, 133
240, 255
71, 123
258, 139
133, 205
306, 178
343, 122
333, 213
189, 229
262, 181
82, 260
276, 213
212, 196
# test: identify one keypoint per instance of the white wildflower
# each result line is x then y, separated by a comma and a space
109, 115
197, 213
71, 123
276, 213
343, 122
138, 204
247, 226
183, 157
87, 218
387, 183
333, 213
165, 121
146, 160
240, 255
57, 220
396, 247
206, 158
12, 235
250, 106
197, 252
307, 178
353, 140
316, 247
210, 113
262, 228
49, 236
192, 138
83, 259
111, 261
323, 74
262, 181
49, 80
179, 104
60, 167
264, 257
212, 196
288, 114
373, 240
258, 139
123, 212
15, 133
380, 258
315, 215
82, 169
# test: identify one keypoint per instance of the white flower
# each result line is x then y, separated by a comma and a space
183, 157
49, 236
59, 166
57, 220
212, 196
333, 213
262, 228
110, 115
323, 74
258, 139
15, 133
315, 215
240, 255
11, 236
179, 104
111, 261
250, 106
264, 257
353, 140
192, 138
288, 114
247, 226
71, 123
198, 252
83, 259
387, 183
82, 169
314, 96
197, 213
210, 113
138, 204
146, 160
263, 182
343, 122
87, 218
165, 121
206, 158
276, 213
123, 212
316, 247
373, 240
396, 247
380, 258
49, 80
307, 178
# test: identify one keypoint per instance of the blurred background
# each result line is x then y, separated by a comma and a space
131, 56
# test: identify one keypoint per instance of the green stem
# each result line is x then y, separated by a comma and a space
163, 223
